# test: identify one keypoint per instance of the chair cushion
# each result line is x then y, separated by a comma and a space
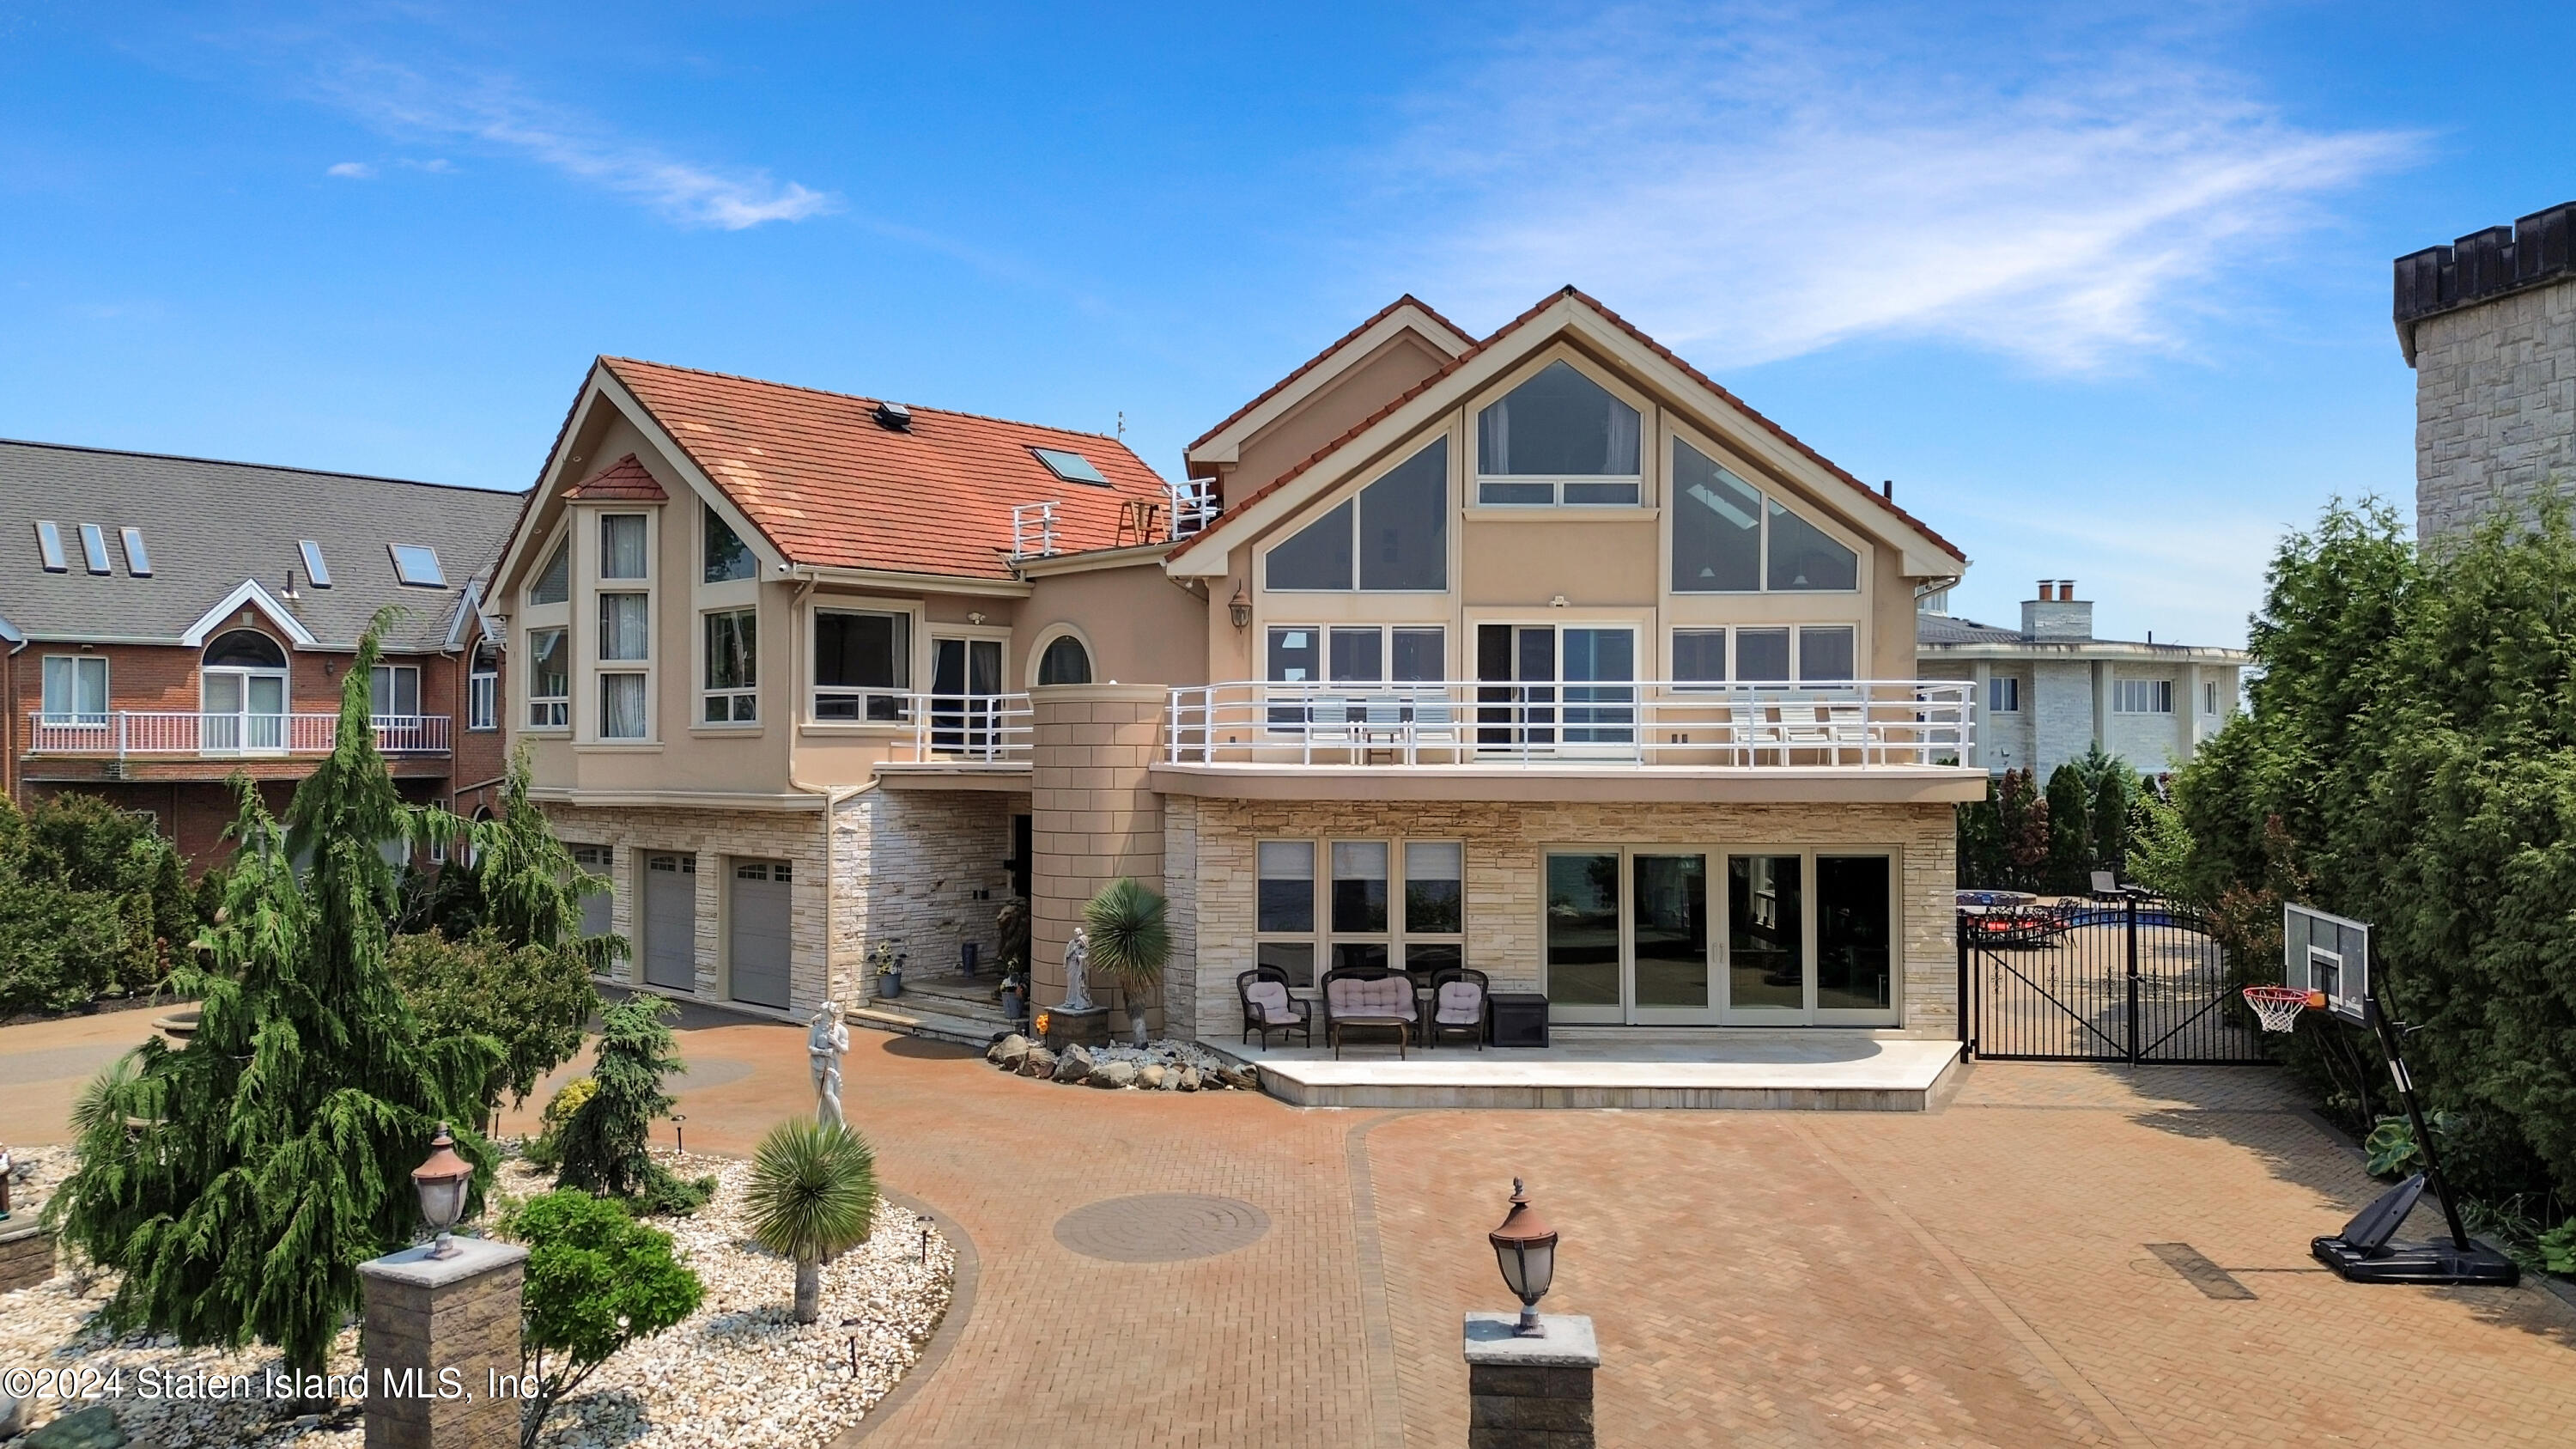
1462, 1003
1270, 1003
1376, 996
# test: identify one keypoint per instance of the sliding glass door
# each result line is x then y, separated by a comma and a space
1546, 689
1627, 937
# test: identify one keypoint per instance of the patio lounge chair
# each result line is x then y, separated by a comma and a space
1369, 996
1267, 1006
1458, 1004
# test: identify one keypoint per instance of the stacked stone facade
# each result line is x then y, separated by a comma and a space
1505, 892
2495, 406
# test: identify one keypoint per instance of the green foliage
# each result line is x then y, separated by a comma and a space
606, 1143
2558, 1248
531, 1000
1130, 939
597, 1280
1981, 843
237, 1183
2393, 1150
812, 1197
92, 903
2005, 840
2409, 758
58, 948
2068, 870
2159, 845
528, 886
546, 1152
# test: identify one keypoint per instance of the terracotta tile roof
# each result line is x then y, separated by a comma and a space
622, 481
1234, 507
1336, 345
828, 485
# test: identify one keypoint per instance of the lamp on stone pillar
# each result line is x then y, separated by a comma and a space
1525, 1248
442, 1182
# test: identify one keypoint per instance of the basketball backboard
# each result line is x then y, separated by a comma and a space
2328, 954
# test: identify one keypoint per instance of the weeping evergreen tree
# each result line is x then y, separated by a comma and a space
238, 1182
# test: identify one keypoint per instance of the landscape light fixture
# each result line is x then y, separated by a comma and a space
1239, 608
679, 1134
441, 1182
1525, 1247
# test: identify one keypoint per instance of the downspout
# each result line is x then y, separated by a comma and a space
9, 735
832, 795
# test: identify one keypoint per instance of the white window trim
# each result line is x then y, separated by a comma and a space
599, 692
809, 632
557, 706
1503, 387
652, 546
2002, 684
483, 699
701, 662
560, 538
398, 670
1396, 937
74, 716
1385, 631
2155, 689
1046, 637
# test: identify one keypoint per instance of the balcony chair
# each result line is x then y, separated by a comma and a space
1330, 725
1754, 731
1458, 1001
1267, 1006
1369, 996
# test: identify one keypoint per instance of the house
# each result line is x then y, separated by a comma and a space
2050, 691
1539, 652
173, 621
2488, 323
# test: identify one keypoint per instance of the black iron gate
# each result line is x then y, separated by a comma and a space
2121, 981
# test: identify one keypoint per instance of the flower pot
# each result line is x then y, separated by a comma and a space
1012, 1007
889, 983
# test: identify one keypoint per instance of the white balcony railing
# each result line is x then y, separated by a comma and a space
1858, 724
165, 733
975, 729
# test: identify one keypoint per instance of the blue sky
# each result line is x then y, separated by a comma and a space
2104, 290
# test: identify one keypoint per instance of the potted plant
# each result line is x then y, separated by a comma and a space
1014, 996
1130, 941
889, 967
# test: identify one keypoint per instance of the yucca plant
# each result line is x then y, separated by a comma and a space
812, 1197
1130, 941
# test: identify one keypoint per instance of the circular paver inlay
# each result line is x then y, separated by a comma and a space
1161, 1227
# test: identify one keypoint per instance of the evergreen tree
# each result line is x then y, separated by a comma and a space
606, 1144
528, 885
1981, 843
2023, 822
2070, 833
237, 1183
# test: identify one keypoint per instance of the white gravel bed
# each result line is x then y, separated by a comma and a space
738, 1372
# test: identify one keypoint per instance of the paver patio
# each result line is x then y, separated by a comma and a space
1976, 1275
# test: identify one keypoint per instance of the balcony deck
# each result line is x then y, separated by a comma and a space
960, 742
136, 745
1743, 1068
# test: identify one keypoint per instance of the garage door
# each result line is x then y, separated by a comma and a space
598, 908
671, 921
756, 928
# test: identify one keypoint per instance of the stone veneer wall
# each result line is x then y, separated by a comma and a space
714, 837
909, 866
1214, 893
2495, 406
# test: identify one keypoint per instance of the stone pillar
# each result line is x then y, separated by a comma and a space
429, 1318
26, 1252
1094, 813
1530, 1393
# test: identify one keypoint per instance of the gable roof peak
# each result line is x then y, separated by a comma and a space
1459, 336
626, 480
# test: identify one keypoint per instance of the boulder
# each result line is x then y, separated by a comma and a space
1241, 1078
91, 1428
1040, 1062
1152, 1077
1073, 1066
1009, 1052
1113, 1075
1185, 1079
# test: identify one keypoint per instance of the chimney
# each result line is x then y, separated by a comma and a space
2056, 614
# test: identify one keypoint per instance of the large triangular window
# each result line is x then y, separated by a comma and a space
1728, 537
1559, 438
1394, 536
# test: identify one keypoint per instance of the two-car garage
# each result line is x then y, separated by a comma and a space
758, 919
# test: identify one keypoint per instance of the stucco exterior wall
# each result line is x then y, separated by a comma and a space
1209, 854
2495, 406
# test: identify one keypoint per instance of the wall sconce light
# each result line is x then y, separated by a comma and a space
1557, 603
1239, 608
975, 616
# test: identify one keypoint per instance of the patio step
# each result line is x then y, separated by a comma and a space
1704, 1069
944, 1008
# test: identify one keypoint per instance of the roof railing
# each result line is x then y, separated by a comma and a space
1194, 506
1033, 529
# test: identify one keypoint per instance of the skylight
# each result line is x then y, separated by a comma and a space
138, 562
49, 546
94, 547
417, 564
314, 568
1069, 466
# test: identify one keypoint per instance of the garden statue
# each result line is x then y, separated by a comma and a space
824, 1045
1077, 957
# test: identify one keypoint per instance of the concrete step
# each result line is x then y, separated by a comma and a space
941, 1018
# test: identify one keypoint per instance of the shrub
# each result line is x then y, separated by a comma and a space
596, 1281
812, 1197
1130, 937
58, 948
606, 1142
531, 1000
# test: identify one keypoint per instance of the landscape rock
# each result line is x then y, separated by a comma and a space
1113, 1075
13, 1415
1040, 1062
1074, 1065
1186, 1080
1152, 1077
1009, 1052
1242, 1079
91, 1428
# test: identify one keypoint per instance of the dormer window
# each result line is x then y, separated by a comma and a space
314, 568
1070, 466
49, 546
416, 564
1559, 439
94, 548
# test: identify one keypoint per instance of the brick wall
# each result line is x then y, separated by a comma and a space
1504, 847
2495, 406
1094, 813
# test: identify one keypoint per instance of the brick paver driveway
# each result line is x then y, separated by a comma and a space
1979, 1275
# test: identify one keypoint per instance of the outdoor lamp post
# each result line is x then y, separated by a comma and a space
441, 1182
1525, 1247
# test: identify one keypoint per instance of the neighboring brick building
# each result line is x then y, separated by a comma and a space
2489, 325
1539, 653
173, 621
2049, 691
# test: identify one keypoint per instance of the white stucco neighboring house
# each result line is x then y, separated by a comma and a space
2049, 690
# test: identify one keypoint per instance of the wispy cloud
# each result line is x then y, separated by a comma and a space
351, 170
1764, 183
493, 111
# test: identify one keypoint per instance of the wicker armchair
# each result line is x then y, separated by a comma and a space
1267, 1006
1460, 1010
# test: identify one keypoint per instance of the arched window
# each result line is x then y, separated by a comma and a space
1065, 662
244, 649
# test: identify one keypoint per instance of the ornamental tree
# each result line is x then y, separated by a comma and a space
596, 1280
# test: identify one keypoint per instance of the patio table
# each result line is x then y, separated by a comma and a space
1403, 1030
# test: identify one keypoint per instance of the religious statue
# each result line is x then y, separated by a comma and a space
824, 1045
1077, 960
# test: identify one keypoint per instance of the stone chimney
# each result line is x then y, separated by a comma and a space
2057, 613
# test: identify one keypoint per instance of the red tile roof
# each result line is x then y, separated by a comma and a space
624, 480
817, 474
1234, 507
1337, 344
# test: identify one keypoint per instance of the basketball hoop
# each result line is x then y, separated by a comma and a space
2278, 1007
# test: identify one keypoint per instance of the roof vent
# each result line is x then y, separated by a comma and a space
894, 417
